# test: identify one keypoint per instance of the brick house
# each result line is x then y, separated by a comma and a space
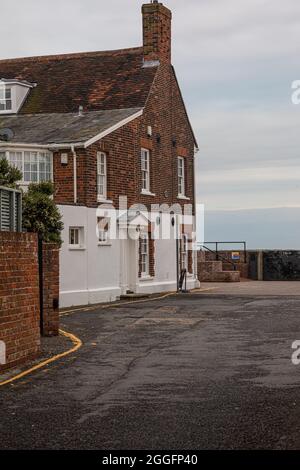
105, 125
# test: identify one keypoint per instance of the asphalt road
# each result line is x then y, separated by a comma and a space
201, 371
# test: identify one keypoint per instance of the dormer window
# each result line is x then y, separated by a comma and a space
5, 99
13, 94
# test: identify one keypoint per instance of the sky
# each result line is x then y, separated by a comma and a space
236, 61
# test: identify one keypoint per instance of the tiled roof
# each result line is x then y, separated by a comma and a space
94, 80
48, 129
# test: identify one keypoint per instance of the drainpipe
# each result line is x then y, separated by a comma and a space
74, 173
196, 150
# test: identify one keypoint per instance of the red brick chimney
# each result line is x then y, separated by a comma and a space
157, 21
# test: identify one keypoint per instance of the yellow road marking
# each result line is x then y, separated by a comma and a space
206, 289
112, 305
77, 345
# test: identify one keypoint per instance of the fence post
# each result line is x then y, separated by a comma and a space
260, 266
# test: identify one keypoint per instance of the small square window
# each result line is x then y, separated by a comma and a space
76, 237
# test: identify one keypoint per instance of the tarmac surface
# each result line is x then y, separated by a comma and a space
208, 370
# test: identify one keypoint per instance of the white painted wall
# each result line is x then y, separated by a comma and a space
96, 273
165, 279
91, 274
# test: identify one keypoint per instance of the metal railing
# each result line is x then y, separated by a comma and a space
10, 210
221, 257
217, 246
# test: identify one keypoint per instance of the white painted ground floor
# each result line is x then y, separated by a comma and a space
97, 266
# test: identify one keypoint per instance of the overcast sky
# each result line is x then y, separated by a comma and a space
236, 61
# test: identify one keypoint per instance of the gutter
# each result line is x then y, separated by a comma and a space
5, 144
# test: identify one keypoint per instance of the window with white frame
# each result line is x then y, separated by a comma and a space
76, 237
13, 93
145, 163
101, 176
144, 247
181, 176
36, 166
16, 159
184, 252
103, 227
5, 98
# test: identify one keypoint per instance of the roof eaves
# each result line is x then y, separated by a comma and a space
190, 124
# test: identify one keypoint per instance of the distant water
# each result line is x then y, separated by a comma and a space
260, 228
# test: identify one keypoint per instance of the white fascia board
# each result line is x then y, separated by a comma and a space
25, 84
113, 128
4, 144
65, 146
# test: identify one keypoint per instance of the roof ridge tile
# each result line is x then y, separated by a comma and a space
74, 55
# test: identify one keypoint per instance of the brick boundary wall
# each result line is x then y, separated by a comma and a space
50, 289
227, 266
19, 297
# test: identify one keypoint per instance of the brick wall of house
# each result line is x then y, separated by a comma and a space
63, 178
172, 137
122, 149
50, 289
19, 297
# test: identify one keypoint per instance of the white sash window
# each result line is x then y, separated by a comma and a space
145, 164
181, 176
101, 176
5, 98
144, 241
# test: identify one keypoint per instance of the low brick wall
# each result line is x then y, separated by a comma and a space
19, 297
242, 266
